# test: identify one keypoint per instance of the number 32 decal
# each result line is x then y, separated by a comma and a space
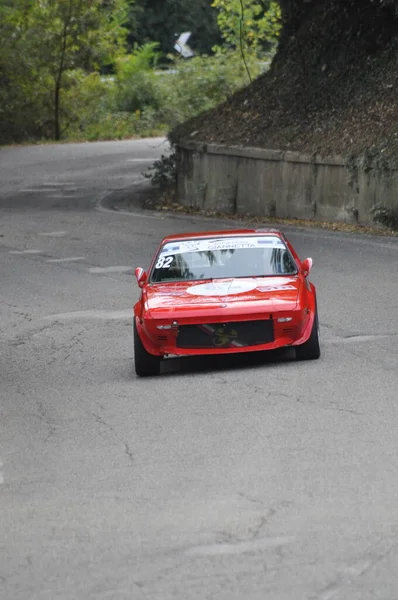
164, 262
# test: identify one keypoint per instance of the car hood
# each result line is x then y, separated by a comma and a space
251, 294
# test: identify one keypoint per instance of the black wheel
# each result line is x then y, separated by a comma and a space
310, 350
145, 364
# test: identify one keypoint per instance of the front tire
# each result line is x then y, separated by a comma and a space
310, 350
145, 364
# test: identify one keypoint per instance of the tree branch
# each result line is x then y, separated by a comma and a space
241, 38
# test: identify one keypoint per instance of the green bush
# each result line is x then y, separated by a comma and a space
94, 112
199, 84
387, 217
163, 172
140, 101
86, 100
135, 81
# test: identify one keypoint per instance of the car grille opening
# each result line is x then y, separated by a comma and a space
226, 335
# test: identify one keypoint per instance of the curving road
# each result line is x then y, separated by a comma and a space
221, 479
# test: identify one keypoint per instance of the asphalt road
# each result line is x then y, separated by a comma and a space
218, 480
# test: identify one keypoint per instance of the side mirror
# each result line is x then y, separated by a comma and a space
306, 266
141, 276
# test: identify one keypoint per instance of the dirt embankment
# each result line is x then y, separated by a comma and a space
332, 88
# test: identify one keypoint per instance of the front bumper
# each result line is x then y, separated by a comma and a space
225, 337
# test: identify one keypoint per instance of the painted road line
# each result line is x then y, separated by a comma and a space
64, 260
25, 251
57, 184
36, 190
116, 269
240, 547
53, 233
356, 339
140, 160
112, 315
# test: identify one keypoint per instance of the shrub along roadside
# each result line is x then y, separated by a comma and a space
138, 100
141, 99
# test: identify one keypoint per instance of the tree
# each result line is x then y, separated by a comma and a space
160, 21
47, 40
254, 24
16, 86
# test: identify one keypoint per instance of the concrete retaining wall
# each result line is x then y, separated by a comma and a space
280, 184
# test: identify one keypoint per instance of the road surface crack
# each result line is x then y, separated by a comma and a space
355, 571
98, 419
128, 452
26, 337
45, 418
251, 499
75, 344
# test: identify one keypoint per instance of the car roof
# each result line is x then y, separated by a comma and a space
223, 233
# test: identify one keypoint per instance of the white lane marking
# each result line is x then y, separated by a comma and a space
57, 196
69, 259
93, 314
51, 187
115, 269
57, 184
25, 251
240, 547
357, 338
53, 233
34, 190
143, 160
1, 472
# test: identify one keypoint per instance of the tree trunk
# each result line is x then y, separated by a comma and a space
58, 77
57, 131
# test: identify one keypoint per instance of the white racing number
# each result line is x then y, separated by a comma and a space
164, 262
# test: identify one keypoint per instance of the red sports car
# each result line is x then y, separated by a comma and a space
224, 292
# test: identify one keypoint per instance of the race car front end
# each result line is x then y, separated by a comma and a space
225, 332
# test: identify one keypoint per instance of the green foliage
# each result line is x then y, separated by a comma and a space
22, 104
54, 56
388, 217
96, 115
136, 82
86, 101
41, 42
255, 29
201, 83
163, 172
140, 100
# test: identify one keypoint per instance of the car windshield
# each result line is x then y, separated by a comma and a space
224, 257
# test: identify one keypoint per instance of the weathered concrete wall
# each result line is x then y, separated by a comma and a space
280, 184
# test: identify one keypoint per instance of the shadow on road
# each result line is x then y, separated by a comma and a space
198, 364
